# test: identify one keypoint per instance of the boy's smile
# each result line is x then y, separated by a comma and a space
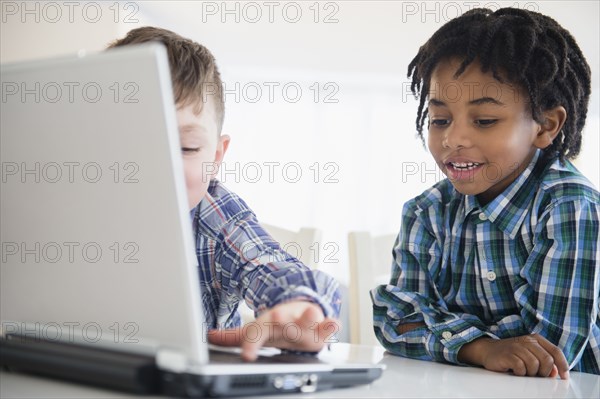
481, 132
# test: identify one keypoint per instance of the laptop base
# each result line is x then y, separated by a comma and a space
100, 367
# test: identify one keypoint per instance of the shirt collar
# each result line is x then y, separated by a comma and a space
508, 210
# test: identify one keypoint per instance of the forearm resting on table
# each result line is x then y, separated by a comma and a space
469, 353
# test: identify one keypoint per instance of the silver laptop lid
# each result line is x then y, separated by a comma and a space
95, 231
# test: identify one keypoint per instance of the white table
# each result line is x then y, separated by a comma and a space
403, 378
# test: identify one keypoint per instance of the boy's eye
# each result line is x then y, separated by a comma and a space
439, 122
485, 122
190, 149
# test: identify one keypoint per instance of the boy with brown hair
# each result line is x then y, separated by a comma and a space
237, 259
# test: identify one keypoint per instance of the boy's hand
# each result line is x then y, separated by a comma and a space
297, 325
531, 355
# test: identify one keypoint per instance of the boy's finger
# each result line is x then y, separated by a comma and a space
559, 358
546, 361
319, 335
310, 316
249, 352
517, 365
530, 361
229, 337
258, 333
328, 330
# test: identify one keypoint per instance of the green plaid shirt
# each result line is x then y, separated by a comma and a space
527, 262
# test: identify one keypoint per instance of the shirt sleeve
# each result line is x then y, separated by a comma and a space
560, 282
252, 266
412, 296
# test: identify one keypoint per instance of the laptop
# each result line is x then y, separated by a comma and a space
99, 278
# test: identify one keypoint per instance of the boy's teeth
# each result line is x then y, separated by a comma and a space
464, 165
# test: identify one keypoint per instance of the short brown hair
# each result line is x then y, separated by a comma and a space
193, 67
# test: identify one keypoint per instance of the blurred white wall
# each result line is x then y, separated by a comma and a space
37, 29
318, 108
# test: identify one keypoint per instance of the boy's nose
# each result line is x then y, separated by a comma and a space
456, 136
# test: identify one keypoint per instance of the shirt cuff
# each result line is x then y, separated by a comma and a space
449, 337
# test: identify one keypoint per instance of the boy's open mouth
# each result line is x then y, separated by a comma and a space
462, 170
463, 165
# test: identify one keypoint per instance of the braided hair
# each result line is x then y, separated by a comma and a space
526, 48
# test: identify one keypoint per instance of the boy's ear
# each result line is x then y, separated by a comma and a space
222, 146
554, 119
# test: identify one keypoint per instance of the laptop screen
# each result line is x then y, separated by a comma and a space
96, 236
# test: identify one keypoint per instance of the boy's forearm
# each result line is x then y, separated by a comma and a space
471, 353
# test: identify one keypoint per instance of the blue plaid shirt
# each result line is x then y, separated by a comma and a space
238, 260
527, 262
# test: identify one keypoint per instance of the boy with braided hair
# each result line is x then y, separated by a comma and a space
499, 264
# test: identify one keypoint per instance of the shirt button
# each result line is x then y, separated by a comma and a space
491, 276
446, 335
482, 216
